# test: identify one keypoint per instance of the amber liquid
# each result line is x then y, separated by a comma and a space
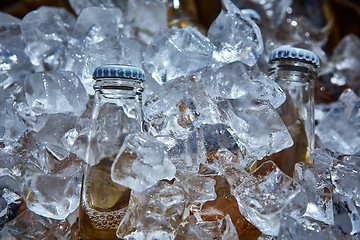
103, 203
299, 152
224, 204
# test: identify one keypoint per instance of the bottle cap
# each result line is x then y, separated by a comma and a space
294, 53
119, 71
254, 15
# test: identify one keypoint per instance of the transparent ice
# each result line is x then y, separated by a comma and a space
46, 32
221, 229
55, 194
141, 162
154, 213
62, 134
84, 58
28, 225
177, 52
225, 82
78, 6
293, 229
95, 24
55, 92
11, 124
339, 128
14, 63
255, 138
236, 36
346, 58
316, 180
268, 195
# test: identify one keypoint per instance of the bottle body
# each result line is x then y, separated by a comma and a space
183, 13
296, 78
116, 113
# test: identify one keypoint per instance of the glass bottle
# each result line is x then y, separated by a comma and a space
295, 70
183, 13
116, 113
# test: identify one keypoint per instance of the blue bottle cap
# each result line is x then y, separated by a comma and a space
294, 53
252, 14
119, 71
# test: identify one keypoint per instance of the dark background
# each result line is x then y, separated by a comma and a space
345, 13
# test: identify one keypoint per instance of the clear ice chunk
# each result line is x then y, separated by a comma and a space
268, 195
293, 229
346, 215
346, 180
171, 110
257, 126
79, 5
142, 162
225, 82
236, 36
338, 129
46, 32
55, 193
29, 225
83, 58
11, 124
198, 188
94, 24
222, 229
346, 57
14, 63
144, 19
55, 92
316, 180
228, 165
177, 52
154, 213
62, 134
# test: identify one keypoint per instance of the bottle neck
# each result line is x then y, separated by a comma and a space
293, 70
119, 88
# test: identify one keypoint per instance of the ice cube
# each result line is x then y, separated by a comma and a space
144, 19
79, 5
63, 133
338, 129
55, 92
198, 188
292, 229
268, 195
346, 215
346, 57
83, 58
46, 32
55, 193
94, 24
11, 124
228, 165
142, 161
257, 126
14, 63
236, 36
29, 225
316, 181
172, 111
346, 180
225, 82
221, 229
177, 52
154, 213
